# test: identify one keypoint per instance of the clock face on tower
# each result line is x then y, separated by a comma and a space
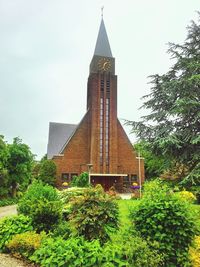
104, 64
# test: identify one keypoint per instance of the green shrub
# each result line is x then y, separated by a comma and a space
67, 211
94, 215
4, 189
80, 181
8, 201
81, 253
71, 253
163, 217
43, 205
11, 226
69, 194
63, 230
25, 244
129, 251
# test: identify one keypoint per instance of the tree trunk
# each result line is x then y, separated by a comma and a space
14, 189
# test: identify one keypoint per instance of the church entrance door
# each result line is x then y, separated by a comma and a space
105, 181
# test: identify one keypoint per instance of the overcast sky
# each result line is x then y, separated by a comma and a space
46, 47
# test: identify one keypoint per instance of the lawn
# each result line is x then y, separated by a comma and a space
124, 209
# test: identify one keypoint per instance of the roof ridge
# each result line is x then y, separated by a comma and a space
63, 147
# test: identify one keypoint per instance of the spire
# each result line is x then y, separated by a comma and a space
102, 47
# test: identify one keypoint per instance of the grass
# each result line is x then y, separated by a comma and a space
124, 209
125, 205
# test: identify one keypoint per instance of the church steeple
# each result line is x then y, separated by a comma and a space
102, 60
102, 47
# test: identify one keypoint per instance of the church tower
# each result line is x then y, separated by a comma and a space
99, 143
102, 103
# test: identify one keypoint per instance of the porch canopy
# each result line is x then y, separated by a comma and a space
108, 174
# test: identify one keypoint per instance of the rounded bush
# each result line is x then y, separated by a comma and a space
165, 218
69, 194
43, 205
25, 244
94, 215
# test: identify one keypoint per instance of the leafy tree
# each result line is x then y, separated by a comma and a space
36, 169
19, 164
154, 165
173, 125
47, 172
43, 158
3, 170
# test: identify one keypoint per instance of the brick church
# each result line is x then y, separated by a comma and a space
98, 144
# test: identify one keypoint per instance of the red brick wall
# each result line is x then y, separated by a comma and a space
84, 146
76, 154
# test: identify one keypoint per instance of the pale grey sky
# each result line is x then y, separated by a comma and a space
46, 48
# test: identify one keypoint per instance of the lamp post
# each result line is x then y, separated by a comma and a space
140, 178
89, 169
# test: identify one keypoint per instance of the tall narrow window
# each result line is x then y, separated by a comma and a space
107, 120
101, 121
107, 130
108, 89
104, 122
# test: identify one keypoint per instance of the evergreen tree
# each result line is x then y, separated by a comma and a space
173, 124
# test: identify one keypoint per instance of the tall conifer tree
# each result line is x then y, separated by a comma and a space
173, 124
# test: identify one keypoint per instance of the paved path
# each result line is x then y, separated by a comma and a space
7, 261
8, 210
125, 195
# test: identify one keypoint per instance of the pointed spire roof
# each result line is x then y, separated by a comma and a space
102, 47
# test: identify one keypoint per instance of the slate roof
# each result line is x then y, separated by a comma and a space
102, 47
59, 133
